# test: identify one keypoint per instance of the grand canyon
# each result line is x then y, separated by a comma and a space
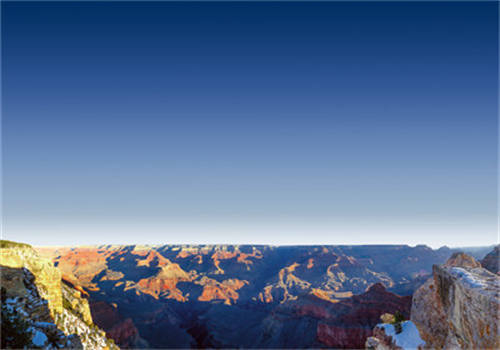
246, 296
249, 175
250, 296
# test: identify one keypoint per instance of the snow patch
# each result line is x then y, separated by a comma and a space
467, 277
39, 338
44, 324
409, 338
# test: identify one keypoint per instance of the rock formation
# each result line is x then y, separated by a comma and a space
459, 306
387, 337
48, 278
491, 261
26, 318
38, 309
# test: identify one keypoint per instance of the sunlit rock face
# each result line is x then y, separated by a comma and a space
38, 309
48, 278
459, 306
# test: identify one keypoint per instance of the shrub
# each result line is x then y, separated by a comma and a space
398, 318
387, 318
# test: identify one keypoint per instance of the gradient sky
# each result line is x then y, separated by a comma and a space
280, 123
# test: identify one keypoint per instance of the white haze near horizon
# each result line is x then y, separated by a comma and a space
434, 235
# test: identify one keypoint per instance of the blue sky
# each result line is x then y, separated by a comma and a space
280, 123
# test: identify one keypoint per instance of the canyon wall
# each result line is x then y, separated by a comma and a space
38, 309
458, 307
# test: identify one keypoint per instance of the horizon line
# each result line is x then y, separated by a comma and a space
256, 244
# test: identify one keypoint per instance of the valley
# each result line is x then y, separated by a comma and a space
180, 296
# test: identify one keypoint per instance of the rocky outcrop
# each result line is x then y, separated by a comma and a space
461, 260
380, 340
459, 306
81, 265
491, 261
164, 283
395, 337
225, 290
38, 309
26, 318
428, 314
72, 300
48, 278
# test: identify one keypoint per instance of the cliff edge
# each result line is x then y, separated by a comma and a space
457, 308
38, 309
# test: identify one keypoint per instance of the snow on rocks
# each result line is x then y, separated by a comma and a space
409, 338
385, 337
39, 338
459, 306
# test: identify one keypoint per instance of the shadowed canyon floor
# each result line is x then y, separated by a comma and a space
245, 296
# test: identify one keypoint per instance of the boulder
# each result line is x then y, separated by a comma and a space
459, 306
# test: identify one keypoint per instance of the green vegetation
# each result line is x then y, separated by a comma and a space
398, 318
9, 244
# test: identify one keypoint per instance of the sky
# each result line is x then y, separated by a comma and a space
271, 123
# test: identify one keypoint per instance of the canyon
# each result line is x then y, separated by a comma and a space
251, 296
248, 296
